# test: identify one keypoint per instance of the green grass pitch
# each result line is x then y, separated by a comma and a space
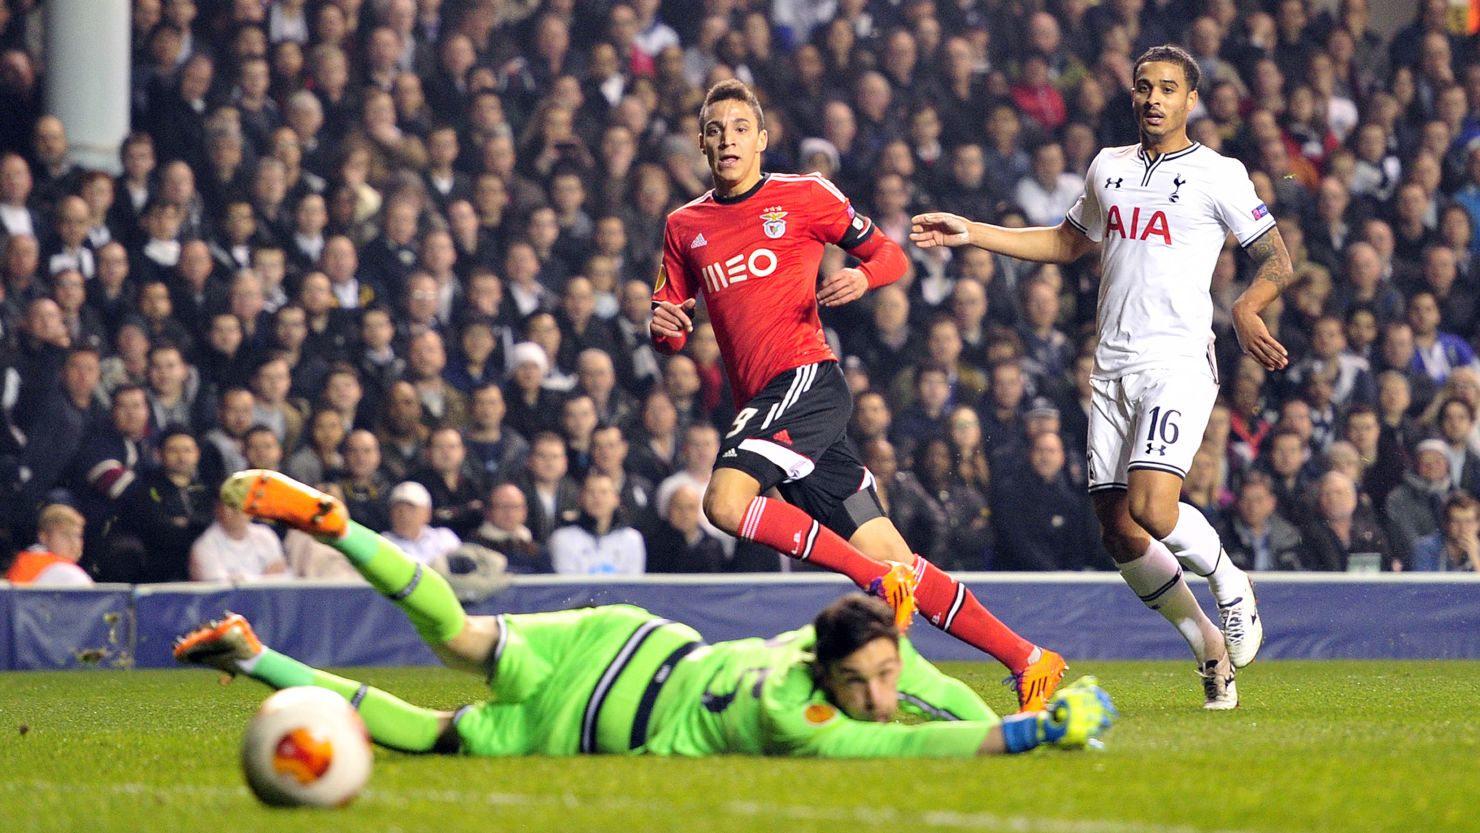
1317, 746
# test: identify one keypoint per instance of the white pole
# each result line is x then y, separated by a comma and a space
87, 76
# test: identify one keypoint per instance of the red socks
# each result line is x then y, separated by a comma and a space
944, 601
781, 526
954, 609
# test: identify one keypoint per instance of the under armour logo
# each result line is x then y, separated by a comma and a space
1178, 181
1159, 449
1116, 182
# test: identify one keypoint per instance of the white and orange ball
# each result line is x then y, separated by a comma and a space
306, 747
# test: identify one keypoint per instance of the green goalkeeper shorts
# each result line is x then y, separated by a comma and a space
574, 681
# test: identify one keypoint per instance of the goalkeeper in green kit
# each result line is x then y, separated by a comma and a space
618, 679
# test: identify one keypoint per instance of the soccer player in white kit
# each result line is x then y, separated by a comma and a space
1160, 211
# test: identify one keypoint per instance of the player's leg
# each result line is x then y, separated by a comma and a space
955, 609
733, 502
427, 599
1147, 566
780, 435
230, 645
1150, 570
1171, 416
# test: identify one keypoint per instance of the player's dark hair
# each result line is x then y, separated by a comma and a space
731, 89
1167, 53
848, 624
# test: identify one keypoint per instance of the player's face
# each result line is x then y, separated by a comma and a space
732, 142
865, 684
1162, 101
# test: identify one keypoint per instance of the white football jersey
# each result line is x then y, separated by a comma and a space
1161, 225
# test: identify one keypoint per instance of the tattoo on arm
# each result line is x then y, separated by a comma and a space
1272, 261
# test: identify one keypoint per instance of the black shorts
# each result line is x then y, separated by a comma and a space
794, 436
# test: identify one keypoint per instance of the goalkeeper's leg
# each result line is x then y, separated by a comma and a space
231, 646
460, 641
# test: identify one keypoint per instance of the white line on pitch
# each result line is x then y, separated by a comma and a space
872, 816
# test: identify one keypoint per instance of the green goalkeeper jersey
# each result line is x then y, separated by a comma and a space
617, 679
757, 696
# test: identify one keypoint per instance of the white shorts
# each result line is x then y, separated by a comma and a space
1152, 419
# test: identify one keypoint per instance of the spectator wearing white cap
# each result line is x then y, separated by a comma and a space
411, 512
531, 407
1413, 507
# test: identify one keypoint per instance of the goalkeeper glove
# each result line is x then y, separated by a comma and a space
1076, 715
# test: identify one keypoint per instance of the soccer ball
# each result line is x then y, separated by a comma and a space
306, 746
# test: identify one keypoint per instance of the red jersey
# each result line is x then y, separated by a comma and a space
754, 256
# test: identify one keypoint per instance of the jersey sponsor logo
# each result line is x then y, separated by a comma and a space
699, 241
742, 267
775, 222
1116, 182
1260, 211
1156, 225
662, 279
818, 714
783, 436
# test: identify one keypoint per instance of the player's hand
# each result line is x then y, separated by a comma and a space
843, 286
1254, 337
1077, 715
938, 228
671, 320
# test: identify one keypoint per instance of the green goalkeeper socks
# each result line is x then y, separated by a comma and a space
421, 592
391, 721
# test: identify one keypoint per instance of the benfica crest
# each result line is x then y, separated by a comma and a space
775, 222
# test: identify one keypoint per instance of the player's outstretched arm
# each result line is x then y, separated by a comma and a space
1273, 273
1045, 244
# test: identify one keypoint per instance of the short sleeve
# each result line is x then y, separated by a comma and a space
672, 283
1086, 214
1238, 207
837, 221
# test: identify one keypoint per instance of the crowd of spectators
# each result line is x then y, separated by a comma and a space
403, 249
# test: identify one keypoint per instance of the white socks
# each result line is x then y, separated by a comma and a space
1196, 545
1157, 579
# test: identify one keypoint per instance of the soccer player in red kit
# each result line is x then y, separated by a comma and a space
752, 246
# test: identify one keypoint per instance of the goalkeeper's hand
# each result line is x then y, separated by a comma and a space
1076, 714
1075, 717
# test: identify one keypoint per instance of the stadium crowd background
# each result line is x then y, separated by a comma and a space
374, 241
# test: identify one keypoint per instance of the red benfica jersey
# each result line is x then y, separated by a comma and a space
754, 257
